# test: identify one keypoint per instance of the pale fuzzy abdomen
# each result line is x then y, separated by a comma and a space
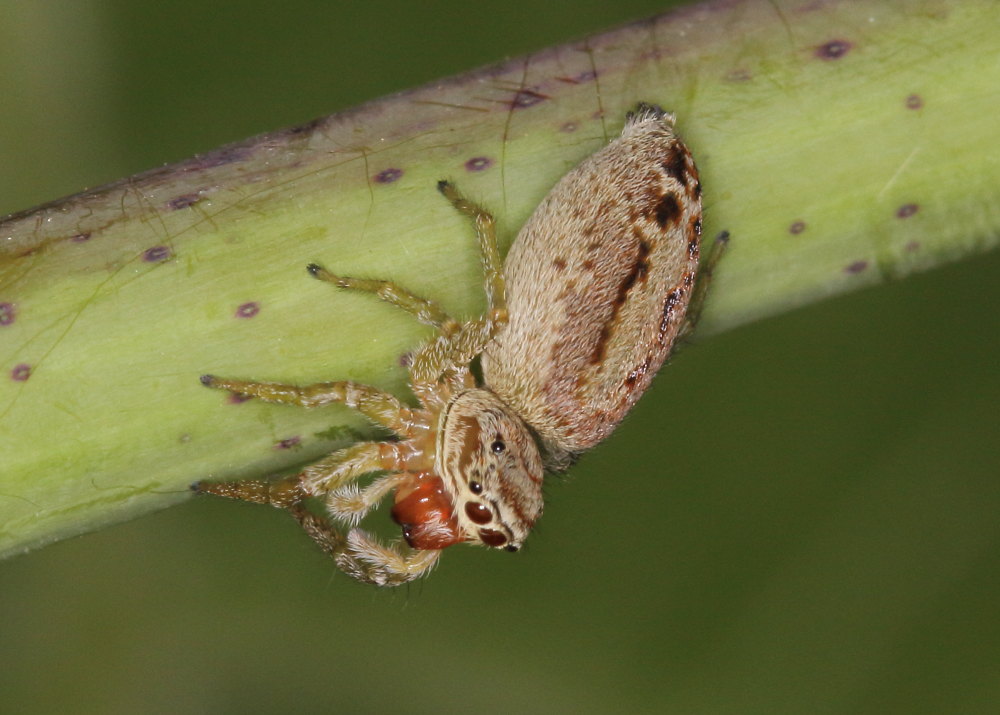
597, 285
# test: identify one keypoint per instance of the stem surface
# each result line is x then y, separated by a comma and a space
840, 143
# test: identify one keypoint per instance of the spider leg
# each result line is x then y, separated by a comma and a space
335, 470
697, 301
486, 232
424, 310
447, 354
362, 557
282, 494
350, 504
357, 554
380, 407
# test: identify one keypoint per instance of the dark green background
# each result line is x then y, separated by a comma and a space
802, 515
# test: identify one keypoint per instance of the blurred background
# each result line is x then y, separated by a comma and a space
802, 515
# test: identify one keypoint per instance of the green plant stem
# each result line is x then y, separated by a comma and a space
840, 143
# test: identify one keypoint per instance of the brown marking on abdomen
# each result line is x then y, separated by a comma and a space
639, 271
693, 248
638, 372
673, 298
667, 210
676, 165
694, 226
602, 342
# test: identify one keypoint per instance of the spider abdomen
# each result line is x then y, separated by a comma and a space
598, 282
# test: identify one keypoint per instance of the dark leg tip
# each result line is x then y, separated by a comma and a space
313, 269
195, 486
723, 237
207, 380
444, 185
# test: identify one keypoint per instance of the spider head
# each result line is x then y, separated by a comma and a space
490, 464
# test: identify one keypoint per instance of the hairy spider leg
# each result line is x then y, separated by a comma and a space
380, 407
426, 311
361, 557
704, 279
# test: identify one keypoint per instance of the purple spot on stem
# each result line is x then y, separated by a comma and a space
387, 176
739, 74
527, 98
406, 359
238, 399
478, 163
21, 372
856, 267
8, 313
912, 246
248, 310
288, 443
906, 210
914, 101
80, 237
797, 227
568, 127
183, 202
156, 254
833, 50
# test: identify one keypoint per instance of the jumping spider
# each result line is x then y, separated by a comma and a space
602, 284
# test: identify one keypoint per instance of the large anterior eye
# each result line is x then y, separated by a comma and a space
498, 445
477, 512
490, 537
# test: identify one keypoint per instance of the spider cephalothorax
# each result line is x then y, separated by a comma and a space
493, 467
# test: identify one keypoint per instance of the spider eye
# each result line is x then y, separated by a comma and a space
477, 512
492, 538
475, 487
498, 446
510, 547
